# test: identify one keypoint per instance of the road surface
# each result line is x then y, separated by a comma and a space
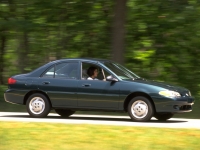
102, 120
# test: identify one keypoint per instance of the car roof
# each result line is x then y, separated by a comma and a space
83, 59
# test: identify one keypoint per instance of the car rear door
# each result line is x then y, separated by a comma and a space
60, 83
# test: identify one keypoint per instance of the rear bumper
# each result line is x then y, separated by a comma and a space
14, 97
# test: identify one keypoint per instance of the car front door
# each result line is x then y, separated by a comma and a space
97, 94
60, 83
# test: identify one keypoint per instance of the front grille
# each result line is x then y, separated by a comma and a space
185, 107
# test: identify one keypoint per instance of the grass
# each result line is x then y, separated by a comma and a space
45, 136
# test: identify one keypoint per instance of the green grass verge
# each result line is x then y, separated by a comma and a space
45, 136
7, 107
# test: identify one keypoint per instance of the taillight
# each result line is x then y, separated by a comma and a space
11, 81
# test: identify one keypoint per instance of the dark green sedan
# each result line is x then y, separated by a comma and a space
66, 86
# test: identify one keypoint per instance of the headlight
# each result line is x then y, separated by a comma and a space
171, 94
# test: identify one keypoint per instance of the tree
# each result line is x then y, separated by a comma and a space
118, 32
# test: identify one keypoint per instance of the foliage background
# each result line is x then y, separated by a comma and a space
160, 39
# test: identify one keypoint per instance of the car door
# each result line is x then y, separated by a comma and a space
97, 94
60, 84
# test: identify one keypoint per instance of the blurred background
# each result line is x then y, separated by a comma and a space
158, 40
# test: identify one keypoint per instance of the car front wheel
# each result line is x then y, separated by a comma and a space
38, 105
64, 112
140, 109
163, 116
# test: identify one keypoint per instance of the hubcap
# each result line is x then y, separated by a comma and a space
139, 109
37, 105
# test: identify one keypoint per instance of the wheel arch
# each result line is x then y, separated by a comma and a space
33, 92
135, 94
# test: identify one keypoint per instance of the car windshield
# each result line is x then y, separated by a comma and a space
122, 72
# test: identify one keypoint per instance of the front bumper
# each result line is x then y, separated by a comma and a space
181, 105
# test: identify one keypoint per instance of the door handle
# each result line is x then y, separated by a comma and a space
86, 85
46, 82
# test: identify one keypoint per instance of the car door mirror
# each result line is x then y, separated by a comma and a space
111, 78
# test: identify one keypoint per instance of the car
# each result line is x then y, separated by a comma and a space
62, 85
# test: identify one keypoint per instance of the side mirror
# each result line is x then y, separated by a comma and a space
111, 78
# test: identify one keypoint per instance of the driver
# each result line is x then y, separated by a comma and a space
92, 73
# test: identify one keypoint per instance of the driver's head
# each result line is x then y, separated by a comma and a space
92, 71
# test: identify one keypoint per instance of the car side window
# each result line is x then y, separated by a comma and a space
100, 75
49, 73
63, 70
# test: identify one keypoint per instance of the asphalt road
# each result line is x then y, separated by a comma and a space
102, 120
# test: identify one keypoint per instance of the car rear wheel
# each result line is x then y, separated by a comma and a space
163, 116
64, 112
38, 105
140, 109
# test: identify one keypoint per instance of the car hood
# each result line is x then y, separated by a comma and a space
161, 84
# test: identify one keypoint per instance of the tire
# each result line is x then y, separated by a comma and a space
140, 109
64, 112
38, 105
163, 116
